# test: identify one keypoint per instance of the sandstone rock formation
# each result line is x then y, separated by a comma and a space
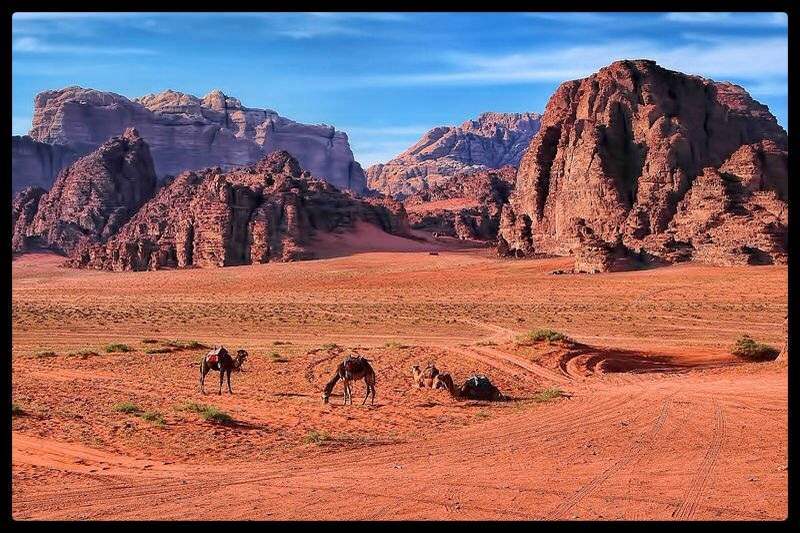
90, 199
679, 167
184, 133
23, 210
492, 141
466, 206
269, 211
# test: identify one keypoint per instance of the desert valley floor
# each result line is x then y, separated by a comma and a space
658, 421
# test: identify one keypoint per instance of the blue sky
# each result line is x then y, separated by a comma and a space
384, 78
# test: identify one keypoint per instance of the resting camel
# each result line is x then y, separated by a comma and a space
477, 387
220, 360
349, 370
424, 378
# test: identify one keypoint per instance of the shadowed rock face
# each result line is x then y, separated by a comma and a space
624, 151
269, 211
466, 206
36, 164
492, 141
184, 133
89, 200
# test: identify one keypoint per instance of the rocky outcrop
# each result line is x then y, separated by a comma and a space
679, 167
466, 206
23, 211
90, 199
184, 133
492, 141
269, 211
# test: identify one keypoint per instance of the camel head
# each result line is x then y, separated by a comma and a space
415, 371
241, 357
444, 381
325, 397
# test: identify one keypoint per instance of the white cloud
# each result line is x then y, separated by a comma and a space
34, 45
729, 19
736, 58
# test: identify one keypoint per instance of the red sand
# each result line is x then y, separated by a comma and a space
660, 422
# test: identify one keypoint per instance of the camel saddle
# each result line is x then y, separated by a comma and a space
215, 355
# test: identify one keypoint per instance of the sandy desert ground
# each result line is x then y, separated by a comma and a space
658, 420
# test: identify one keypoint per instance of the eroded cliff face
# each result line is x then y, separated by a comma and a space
466, 206
492, 141
269, 211
624, 151
184, 133
90, 199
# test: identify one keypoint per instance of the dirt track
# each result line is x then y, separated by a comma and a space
661, 422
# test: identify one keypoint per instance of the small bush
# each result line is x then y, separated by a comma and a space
395, 345
117, 347
83, 354
316, 437
127, 407
149, 341
278, 358
542, 335
281, 343
186, 345
330, 346
45, 353
208, 413
548, 394
154, 417
17, 410
749, 349
485, 343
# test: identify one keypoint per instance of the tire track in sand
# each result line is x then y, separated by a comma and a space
691, 497
632, 453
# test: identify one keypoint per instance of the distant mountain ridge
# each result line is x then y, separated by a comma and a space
184, 132
493, 140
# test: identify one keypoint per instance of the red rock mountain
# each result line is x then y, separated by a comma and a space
466, 206
184, 133
493, 140
269, 211
675, 166
90, 199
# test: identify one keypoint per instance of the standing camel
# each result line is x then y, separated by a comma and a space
349, 370
220, 360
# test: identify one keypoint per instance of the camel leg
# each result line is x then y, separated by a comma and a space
347, 392
229, 382
221, 377
367, 395
203, 372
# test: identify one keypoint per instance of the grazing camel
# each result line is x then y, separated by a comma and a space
220, 360
424, 378
349, 370
477, 387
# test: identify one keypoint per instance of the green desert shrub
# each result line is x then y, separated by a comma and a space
127, 407
45, 353
316, 437
207, 412
542, 335
548, 394
118, 348
154, 417
747, 348
17, 410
